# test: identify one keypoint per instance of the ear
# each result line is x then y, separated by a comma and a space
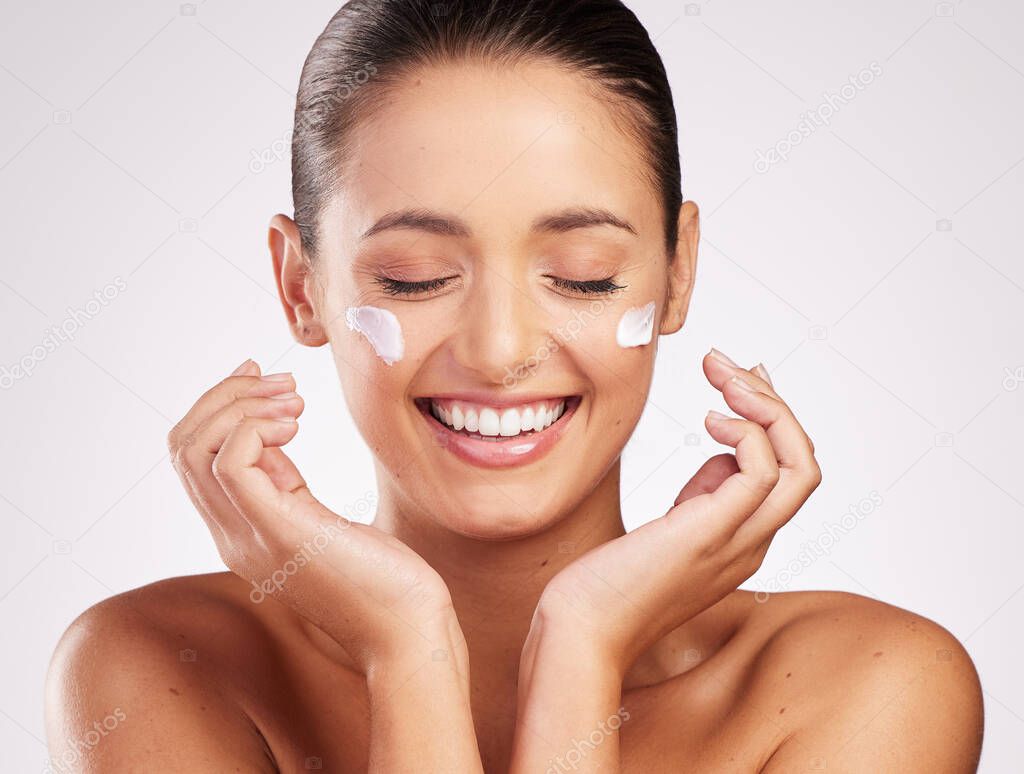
683, 270
296, 282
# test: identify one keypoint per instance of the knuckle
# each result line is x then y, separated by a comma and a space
235, 385
816, 475
812, 474
750, 427
767, 478
222, 469
752, 563
711, 543
174, 437
185, 465
762, 551
750, 560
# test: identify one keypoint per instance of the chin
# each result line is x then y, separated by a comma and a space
498, 520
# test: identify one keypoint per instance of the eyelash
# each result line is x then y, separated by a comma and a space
394, 287
589, 287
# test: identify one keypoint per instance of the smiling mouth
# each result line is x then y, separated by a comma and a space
497, 424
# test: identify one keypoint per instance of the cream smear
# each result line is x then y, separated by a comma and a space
636, 326
381, 329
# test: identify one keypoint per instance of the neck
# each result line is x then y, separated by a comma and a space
495, 585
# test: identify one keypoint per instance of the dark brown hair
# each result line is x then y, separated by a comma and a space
370, 45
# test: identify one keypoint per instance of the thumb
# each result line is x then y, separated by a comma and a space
710, 476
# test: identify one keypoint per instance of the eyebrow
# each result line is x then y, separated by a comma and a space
452, 226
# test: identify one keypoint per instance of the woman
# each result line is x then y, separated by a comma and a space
490, 234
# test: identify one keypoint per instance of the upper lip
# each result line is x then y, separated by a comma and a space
498, 400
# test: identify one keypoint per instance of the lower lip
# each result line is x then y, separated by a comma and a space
504, 452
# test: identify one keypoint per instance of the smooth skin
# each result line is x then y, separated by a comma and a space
499, 620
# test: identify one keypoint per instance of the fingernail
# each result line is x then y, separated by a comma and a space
283, 377
722, 357
285, 396
763, 373
717, 416
743, 384
241, 368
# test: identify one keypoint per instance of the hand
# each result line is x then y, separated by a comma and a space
366, 589
623, 596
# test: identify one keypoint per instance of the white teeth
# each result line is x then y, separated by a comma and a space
493, 422
526, 418
489, 422
510, 422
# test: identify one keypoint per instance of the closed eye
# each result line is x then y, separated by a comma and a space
587, 287
394, 287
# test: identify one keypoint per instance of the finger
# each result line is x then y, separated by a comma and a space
792, 446
274, 461
718, 369
246, 484
211, 435
799, 473
784, 432
743, 492
247, 383
194, 460
283, 473
710, 476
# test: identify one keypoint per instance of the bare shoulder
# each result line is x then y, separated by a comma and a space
139, 672
862, 685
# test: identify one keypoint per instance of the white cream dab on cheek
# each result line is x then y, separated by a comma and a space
381, 329
636, 326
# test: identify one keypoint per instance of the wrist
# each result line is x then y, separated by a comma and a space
438, 650
570, 689
560, 644
557, 630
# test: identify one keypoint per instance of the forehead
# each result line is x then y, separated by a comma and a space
497, 145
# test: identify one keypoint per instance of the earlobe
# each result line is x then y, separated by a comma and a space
295, 282
683, 270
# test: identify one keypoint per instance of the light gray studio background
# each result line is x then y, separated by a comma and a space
872, 261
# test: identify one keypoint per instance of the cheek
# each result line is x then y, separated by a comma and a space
371, 357
620, 346
617, 333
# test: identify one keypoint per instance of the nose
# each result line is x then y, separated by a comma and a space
502, 332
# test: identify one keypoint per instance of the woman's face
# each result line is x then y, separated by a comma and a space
508, 300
